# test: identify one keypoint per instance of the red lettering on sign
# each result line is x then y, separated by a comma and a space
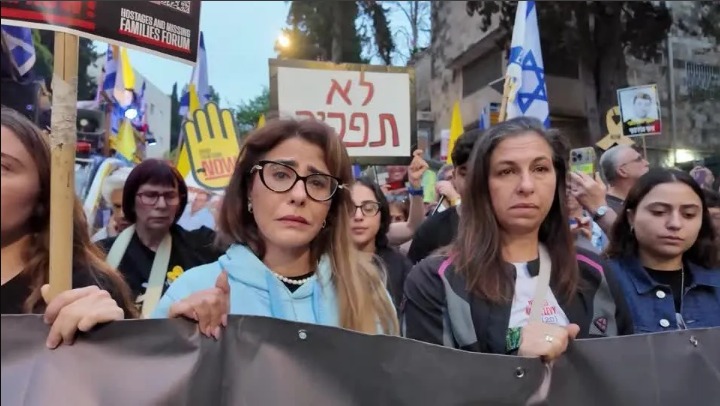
390, 119
335, 88
359, 122
370, 86
216, 168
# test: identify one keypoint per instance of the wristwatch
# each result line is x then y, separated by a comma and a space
600, 213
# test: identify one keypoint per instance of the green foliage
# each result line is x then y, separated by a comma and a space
644, 24
321, 30
214, 95
248, 113
175, 119
44, 42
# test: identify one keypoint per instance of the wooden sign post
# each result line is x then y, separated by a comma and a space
63, 138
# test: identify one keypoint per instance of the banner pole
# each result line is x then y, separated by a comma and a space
63, 138
502, 115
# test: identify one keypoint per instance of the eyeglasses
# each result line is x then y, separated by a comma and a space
637, 159
151, 198
280, 178
368, 208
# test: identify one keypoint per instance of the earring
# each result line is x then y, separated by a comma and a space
324, 224
250, 209
632, 229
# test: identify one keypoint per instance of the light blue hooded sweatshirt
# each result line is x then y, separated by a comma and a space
255, 291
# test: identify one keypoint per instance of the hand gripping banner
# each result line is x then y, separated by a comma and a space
261, 361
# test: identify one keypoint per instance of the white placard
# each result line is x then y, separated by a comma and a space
371, 111
640, 110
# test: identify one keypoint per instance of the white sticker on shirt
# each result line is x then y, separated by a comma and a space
551, 313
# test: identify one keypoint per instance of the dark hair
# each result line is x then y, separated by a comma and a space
88, 259
381, 240
464, 146
642, 96
623, 243
712, 199
154, 172
478, 247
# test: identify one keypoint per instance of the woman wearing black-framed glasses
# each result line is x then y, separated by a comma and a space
290, 256
370, 222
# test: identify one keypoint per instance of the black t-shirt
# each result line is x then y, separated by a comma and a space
189, 249
16, 291
435, 232
615, 203
398, 267
673, 280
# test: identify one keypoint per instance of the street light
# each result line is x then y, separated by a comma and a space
283, 40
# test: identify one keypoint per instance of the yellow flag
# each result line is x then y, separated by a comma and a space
456, 130
261, 121
183, 162
126, 144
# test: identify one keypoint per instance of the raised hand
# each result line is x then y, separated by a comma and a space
213, 146
416, 169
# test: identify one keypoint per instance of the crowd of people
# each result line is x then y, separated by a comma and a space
633, 250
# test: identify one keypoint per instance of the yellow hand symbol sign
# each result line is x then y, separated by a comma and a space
213, 146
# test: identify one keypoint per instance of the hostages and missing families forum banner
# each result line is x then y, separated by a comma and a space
167, 28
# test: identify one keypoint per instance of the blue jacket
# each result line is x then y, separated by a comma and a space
652, 305
255, 291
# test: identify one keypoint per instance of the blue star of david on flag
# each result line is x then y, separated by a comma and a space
20, 43
526, 71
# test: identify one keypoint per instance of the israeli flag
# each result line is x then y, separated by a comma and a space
526, 72
109, 71
20, 43
199, 79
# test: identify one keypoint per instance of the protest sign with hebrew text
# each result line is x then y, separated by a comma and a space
372, 108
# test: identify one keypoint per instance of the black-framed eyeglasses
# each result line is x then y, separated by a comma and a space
151, 198
368, 208
280, 178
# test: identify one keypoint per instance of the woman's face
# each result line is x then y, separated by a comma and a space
156, 206
290, 220
396, 214
522, 182
20, 186
667, 220
364, 224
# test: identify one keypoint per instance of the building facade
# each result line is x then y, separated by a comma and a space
468, 64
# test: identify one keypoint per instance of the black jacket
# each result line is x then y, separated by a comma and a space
435, 303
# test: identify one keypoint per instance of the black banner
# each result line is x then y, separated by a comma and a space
260, 361
170, 28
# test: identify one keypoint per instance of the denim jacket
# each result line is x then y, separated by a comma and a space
652, 306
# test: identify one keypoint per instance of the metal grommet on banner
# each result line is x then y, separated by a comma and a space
694, 341
302, 334
519, 372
